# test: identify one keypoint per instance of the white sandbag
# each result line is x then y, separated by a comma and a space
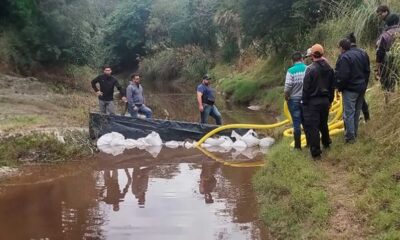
188, 145
153, 139
216, 149
236, 135
250, 153
131, 143
227, 144
250, 138
205, 145
266, 142
214, 141
172, 144
239, 145
141, 143
113, 150
112, 138
154, 150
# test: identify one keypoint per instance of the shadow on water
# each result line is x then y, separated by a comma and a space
178, 195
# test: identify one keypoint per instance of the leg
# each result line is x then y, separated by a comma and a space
216, 115
359, 103
365, 110
311, 124
110, 107
206, 112
323, 125
295, 112
102, 106
349, 104
146, 111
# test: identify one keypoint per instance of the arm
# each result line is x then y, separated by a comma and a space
332, 86
288, 85
94, 82
306, 86
367, 69
380, 54
129, 95
342, 73
199, 101
121, 91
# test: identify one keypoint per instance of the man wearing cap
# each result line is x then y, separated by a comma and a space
317, 96
293, 90
352, 74
206, 102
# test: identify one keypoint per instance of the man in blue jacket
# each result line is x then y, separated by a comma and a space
352, 74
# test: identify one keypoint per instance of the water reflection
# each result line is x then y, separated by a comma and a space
178, 195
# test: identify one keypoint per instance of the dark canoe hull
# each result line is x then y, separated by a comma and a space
134, 128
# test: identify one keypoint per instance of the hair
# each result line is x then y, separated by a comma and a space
133, 75
297, 56
352, 38
345, 44
392, 20
106, 66
317, 55
382, 8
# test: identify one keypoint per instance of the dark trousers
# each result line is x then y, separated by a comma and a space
315, 115
365, 110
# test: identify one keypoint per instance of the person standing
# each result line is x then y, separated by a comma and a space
384, 14
106, 92
293, 91
206, 102
317, 96
352, 74
385, 72
135, 95
365, 108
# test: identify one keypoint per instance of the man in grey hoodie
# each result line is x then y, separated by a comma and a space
134, 93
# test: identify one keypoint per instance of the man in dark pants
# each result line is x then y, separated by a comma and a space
318, 94
352, 74
365, 108
106, 93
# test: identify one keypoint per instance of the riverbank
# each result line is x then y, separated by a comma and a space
352, 193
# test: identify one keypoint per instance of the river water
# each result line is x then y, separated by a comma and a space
168, 194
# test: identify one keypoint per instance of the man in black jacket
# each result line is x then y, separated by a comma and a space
352, 74
106, 92
318, 94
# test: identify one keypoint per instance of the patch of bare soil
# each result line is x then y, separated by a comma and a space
27, 103
344, 222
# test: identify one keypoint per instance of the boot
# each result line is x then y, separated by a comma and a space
297, 141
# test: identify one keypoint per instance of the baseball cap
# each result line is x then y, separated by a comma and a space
206, 77
317, 48
308, 53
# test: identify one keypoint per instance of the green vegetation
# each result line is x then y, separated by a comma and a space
18, 122
294, 201
43, 148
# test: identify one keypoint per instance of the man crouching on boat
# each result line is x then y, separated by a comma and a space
134, 93
206, 101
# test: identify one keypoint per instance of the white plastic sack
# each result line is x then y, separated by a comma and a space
172, 144
188, 145
113, 138
154, 150
153, 139
250, 153
236, 135
113, 150
266, 142
239, 145
141, 143
214, 141
205, 145
250, 138
131, 143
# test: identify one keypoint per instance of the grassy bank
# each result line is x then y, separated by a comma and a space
300, 198
44, 148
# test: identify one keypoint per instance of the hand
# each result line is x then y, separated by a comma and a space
135, 108
124, 99
201, 108
98, 93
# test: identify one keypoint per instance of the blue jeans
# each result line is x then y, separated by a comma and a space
294, 106
210, 110
352, 103
142, 109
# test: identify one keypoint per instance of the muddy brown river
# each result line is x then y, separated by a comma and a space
174, 194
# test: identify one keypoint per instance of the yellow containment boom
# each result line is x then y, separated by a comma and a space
335, 125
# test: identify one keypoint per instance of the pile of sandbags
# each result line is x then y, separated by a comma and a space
115, 143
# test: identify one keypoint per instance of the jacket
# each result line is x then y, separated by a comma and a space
353, 70
318, 82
